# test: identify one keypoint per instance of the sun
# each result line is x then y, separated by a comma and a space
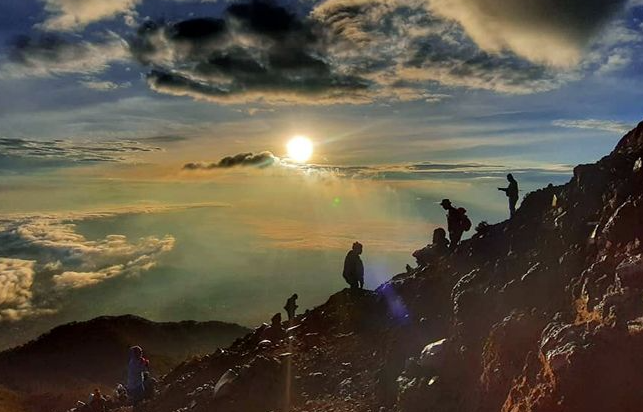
300, 149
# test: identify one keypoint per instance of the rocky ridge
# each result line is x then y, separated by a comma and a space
540, 313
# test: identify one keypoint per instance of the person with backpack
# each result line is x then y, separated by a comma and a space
457, 222
136, 368
512, 193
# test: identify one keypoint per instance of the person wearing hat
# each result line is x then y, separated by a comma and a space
354, 268
457, 222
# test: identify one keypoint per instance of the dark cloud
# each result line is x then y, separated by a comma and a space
73, 152
357, 51
257, 51
164, 139
263, 159
342, 51
49, 54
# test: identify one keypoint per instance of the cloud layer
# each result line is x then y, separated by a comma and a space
620, 128
68, 15
48, 55
543, 31
340, 51
345, 51
43, 258
407, 50
405, 171
16, 281
357, 51
71, 151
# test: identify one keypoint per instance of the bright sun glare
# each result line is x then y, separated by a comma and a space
300, 149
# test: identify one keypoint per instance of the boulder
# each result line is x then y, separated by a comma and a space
630, 272
433, 354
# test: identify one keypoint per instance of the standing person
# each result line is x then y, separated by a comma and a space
354, 268
291, 306
512, 193
136, 368
457, 222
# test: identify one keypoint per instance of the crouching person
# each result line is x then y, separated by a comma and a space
438, 248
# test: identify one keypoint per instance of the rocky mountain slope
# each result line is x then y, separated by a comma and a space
540, 313
73, 358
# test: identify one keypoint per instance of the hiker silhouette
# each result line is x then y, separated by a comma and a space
512, 193
136, 369
291, 306
438, 247
457, 222
275, 332
354, 268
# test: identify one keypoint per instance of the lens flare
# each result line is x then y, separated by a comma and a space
300, 149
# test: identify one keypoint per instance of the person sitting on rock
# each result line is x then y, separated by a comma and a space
97, 401
439, 247
120, 394
149, 385
135, 379
275, 332
354, 268
291, 306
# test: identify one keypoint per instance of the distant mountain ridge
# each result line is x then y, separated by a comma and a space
79, 355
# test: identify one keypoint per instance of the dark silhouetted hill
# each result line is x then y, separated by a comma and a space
77, 356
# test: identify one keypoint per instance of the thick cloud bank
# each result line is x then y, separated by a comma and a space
338, 51
256, 51
16, 281
544, 31
345, 51
43, 258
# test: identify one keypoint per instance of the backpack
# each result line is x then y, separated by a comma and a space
465, 222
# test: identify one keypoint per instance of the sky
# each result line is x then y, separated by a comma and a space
143, 161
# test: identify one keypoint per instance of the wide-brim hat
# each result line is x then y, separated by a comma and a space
445, 202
